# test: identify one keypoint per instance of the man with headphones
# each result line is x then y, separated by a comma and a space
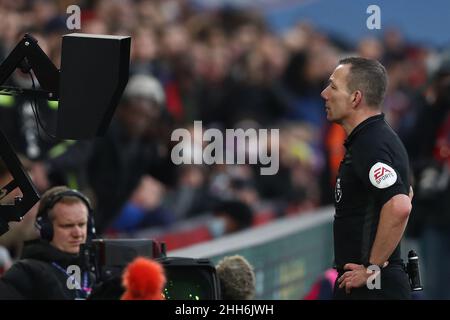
50, 267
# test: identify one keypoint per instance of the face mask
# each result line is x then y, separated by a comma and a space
217, 227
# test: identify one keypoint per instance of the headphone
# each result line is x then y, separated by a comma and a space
45, 225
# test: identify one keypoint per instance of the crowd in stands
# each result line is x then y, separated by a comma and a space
228, 69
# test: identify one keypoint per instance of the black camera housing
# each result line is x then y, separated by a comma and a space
187, 278
107, 258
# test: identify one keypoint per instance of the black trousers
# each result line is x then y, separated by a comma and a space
394, 286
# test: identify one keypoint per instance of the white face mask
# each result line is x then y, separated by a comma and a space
217, 227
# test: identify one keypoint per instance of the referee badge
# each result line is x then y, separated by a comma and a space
338, 190
382, 176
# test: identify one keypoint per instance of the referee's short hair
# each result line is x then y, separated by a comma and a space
368, 76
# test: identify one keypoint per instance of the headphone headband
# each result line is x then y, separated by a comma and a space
55, 198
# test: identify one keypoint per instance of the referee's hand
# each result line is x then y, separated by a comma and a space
355, 278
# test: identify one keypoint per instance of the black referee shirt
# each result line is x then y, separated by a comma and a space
375, 168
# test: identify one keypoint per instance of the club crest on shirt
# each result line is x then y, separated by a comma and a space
382, 176
338, 190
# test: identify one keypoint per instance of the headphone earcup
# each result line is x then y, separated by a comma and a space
45, 228
91, 232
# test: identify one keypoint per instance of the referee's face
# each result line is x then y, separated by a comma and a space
337, 97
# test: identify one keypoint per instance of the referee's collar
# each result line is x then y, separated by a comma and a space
361, 126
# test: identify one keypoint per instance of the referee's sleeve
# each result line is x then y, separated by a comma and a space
377, 170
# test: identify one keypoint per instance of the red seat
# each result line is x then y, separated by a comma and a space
179, 239
263, 217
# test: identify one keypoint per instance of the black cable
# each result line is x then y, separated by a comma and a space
35, 109
35, 116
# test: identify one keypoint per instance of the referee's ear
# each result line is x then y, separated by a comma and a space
356, 97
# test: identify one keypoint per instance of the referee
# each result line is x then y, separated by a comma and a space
372, 193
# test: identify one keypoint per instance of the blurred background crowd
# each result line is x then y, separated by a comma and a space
229, 69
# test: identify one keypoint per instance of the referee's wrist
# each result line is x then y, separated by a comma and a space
381, 266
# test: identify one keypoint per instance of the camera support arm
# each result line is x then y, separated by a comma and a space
28, 54
21, 180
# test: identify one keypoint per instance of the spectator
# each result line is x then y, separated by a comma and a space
431, 218
230, 216
237, 278
130, 150
323, 288
190, 197
144, 209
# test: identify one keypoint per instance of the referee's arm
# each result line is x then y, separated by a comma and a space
393, 220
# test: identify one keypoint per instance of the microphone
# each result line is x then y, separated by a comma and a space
237, 278
143, 279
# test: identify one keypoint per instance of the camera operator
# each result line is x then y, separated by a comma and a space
50, 268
